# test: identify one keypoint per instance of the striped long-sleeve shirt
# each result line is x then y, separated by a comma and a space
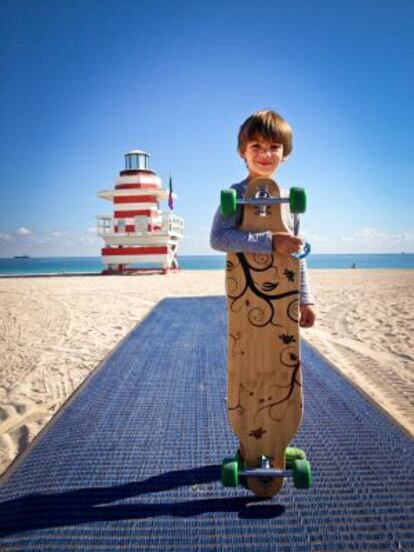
226, 236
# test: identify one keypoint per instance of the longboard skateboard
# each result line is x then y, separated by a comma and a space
264, 385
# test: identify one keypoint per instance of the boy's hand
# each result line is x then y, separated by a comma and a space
307, 316
286, 244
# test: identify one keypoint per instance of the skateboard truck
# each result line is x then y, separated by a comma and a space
229, 201
234, 468
296, 200
261, 208
265, 471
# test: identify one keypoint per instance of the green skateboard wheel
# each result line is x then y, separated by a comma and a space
228, 202
297, 199
302, 474
230, 473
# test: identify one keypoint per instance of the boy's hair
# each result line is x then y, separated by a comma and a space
268, 125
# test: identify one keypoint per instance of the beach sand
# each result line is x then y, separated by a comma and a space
55, 330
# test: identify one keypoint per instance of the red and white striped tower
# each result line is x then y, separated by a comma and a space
139, 236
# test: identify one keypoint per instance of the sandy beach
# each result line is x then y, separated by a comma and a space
54, 331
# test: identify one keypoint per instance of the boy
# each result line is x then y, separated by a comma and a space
264, 142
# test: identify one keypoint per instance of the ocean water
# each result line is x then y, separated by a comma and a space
73, 265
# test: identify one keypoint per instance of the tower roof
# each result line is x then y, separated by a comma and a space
137, 152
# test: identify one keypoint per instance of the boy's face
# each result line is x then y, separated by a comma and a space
262, 157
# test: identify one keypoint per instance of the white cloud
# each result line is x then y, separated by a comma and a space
22, 231
88, 239
315, 238
362, 240
369, 240
371, 236
47, 242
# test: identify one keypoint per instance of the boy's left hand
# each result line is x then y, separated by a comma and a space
307, 316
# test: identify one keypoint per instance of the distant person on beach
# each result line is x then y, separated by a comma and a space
264, 142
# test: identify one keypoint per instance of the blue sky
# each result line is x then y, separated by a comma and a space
84, 81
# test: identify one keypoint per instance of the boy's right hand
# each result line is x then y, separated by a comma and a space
286, 244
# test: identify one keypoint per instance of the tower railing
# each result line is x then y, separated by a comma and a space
171, 224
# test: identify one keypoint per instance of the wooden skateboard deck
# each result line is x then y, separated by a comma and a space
264, 386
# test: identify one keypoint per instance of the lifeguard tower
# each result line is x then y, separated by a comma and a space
139, 236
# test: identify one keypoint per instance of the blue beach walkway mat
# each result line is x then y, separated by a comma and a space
132, 462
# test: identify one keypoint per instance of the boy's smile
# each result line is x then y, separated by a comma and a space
262, 157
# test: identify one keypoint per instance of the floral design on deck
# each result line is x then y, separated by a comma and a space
260, 264
257, 277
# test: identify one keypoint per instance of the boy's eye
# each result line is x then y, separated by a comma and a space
273, 147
